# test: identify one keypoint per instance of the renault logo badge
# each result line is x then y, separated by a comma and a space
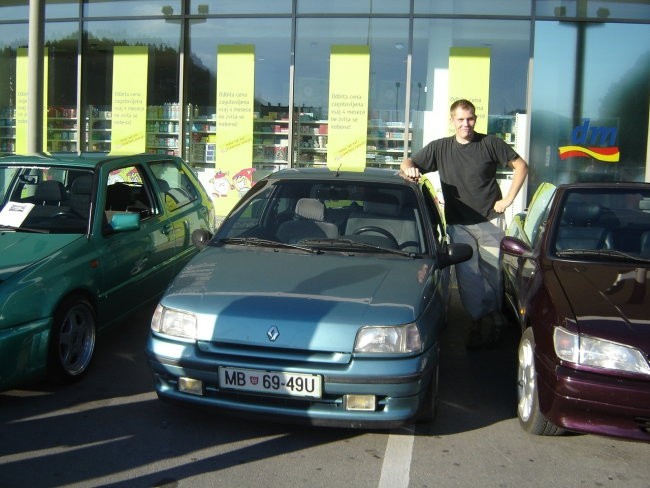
273, 333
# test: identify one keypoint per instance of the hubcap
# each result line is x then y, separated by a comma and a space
77, 340
525, 380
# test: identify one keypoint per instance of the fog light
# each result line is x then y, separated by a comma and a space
366, 403
189, 385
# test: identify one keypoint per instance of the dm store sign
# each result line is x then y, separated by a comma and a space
591, 141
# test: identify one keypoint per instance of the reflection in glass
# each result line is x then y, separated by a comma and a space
205, 7
591, 91
272, 41
387, 133
110, 8
62, 116
508, 42
163, 116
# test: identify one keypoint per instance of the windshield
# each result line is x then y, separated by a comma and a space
44, 199
604, 224
341, 215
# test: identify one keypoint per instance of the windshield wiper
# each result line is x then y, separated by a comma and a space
604, 253
348, 244
256, 241
24, 229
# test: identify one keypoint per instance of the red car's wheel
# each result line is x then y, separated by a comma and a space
531, 418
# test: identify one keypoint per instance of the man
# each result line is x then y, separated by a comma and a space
467, 163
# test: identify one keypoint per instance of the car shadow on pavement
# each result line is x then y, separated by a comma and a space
477, 387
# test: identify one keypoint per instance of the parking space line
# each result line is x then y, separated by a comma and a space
395, 470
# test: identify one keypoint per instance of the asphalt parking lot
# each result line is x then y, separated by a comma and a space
110, 430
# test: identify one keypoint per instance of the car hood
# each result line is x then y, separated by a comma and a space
18, 250
315, 300
609, 301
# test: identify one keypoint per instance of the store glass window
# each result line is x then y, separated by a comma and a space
594, 9
131, 8
388, 41
62, 116
271, 42
205, 7
504, 46
58, 9
16, 10
473, 7
589, 102
13, 37
163, 111
353, 7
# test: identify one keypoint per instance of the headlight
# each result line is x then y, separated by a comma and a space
174, 323
382, 339
599, 353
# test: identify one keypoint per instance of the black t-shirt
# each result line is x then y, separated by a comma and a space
467, 174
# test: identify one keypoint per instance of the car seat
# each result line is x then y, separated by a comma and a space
309, 223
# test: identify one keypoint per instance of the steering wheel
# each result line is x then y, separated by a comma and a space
378, 230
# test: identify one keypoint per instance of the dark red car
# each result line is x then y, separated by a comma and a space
576, 270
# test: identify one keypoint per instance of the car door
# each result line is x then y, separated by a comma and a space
136, 262
182, 201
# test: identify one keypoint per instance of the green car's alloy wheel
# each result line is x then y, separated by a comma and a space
72, 342
531, 418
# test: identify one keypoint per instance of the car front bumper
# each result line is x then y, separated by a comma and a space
588, 402
23, 352
399, 394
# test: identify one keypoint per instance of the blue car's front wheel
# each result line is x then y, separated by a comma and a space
72, 342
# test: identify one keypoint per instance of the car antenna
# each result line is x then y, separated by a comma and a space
338, 170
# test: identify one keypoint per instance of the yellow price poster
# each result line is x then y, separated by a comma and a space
21, 100
235, 112
348, 107
469, 78
129, 106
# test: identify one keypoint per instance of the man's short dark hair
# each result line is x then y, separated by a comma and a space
464, 104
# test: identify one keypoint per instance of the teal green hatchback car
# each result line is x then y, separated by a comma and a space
84, 241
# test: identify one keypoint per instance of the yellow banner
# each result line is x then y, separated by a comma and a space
129, 106
469, 78
348, 107
21, 100
234, 137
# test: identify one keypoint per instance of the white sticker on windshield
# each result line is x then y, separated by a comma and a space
14, 213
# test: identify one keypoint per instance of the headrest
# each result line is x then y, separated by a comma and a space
49, 191
164, 186
582, 214
380, 208
310, 208
82, 185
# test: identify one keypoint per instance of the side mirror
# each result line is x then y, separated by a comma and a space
123, 222
455, 253
200, 238
515, 247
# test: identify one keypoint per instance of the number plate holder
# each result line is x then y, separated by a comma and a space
274, 382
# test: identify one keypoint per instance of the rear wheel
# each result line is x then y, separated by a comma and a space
72, 341
531, 419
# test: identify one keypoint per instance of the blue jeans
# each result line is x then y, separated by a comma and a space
479, 278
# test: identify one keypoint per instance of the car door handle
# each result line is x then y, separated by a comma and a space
166, 229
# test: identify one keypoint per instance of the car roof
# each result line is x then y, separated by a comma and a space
81, 161
378, 175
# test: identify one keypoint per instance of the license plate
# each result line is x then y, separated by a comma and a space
278, 382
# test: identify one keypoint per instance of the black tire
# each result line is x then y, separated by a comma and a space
429, 407
72, 339
531, 419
